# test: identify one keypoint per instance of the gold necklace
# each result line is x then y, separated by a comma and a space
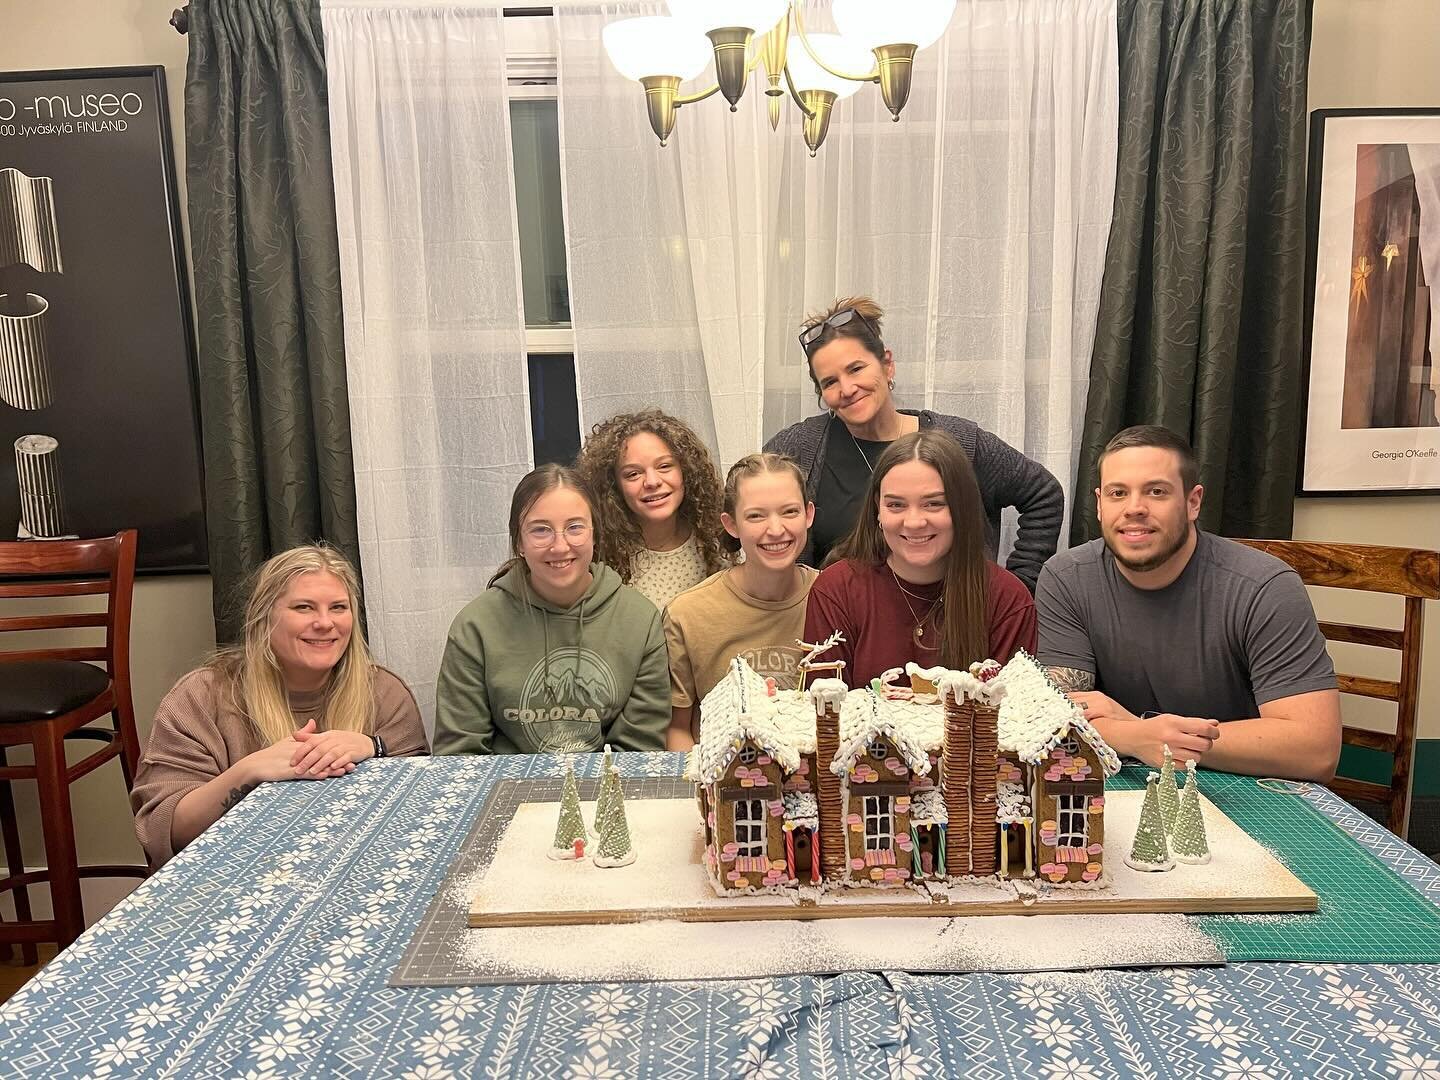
918, 633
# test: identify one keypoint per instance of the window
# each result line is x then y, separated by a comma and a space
1072, 817
750, 828
878, 827
554, 408
879, 749
540, 223
747, 755
1070, 746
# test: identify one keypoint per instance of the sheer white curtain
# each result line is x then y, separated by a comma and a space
979, 222
434, 338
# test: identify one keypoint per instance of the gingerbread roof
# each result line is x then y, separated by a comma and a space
1035, 714
915, 729
741, 708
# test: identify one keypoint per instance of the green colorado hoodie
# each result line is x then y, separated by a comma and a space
522, 676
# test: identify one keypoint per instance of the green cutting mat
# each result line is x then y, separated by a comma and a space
1367, 913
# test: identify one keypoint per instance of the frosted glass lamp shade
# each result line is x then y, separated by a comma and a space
706, 15
655, 45
840, 53
895, 22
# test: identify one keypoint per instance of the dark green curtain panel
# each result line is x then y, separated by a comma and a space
1199, 326
274, 408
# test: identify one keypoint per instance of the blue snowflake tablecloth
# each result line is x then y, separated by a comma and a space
263, 951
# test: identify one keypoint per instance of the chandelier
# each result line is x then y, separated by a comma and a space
877, 43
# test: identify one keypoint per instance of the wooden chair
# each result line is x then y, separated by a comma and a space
1408, 572
50, 695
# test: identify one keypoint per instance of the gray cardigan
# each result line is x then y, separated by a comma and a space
1006, 477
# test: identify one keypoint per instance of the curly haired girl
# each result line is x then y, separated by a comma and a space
659, 495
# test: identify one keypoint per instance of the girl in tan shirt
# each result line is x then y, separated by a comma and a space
755, 609
299, 699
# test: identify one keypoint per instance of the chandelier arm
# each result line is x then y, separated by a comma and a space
795, 95
873, 76
690, 99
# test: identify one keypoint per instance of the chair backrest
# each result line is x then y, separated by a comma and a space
1413, 573
56, 568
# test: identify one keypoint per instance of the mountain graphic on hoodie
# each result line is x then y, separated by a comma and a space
568, 687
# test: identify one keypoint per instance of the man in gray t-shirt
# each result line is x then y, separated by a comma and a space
1162, 631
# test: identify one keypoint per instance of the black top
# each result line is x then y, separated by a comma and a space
844, 478
1006, 477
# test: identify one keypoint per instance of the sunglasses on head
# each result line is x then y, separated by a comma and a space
812, 334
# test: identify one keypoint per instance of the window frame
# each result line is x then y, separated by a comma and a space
1076, 807
879, 811
752, 845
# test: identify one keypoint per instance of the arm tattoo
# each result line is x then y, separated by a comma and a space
1073, 679
236, 794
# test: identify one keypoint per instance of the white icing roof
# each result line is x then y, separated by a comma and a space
928, 808
739, 708
802, 808
914, 728
1035, 714
1012, 802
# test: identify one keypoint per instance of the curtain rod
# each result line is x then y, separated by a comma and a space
180, 17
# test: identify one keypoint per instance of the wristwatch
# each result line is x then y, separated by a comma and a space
379, 745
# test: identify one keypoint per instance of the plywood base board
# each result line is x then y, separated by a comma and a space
522, 887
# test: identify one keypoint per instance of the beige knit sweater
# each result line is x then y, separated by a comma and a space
197, 735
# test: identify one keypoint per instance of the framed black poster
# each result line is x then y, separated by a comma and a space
99, 423
1373, 306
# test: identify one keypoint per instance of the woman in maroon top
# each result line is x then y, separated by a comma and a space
911, 581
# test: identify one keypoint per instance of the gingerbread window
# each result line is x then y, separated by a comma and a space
879, 829
750, 828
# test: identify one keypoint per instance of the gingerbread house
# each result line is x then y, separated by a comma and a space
957, 774
1051, 769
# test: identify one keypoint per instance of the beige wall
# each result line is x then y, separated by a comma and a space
172, 625
1377, 53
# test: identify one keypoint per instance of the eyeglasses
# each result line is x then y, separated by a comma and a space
542, 536
811, 334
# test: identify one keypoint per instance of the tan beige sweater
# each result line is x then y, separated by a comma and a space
197, 735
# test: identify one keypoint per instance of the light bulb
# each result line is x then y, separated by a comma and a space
655, 45
840, 53
894, 22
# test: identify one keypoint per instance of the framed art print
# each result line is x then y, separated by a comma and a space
1372, 319
99, 426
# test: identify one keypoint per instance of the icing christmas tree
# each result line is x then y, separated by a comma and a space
1169, 793
570, 831
1191, 845
603, 801
1149, 852
614, 847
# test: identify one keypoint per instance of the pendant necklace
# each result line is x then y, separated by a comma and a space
860, 450
918, 633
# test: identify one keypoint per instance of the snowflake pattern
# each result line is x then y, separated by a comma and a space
251, 974
1415, 1067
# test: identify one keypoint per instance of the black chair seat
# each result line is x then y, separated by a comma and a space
44, 689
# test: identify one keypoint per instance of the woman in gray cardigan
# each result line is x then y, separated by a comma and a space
854, 374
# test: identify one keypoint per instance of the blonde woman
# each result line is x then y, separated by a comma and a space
298, 699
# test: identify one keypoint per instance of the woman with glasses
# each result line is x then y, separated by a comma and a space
556, 654
854, 376
658, 493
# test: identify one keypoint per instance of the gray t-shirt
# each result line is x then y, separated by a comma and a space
1235, 630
